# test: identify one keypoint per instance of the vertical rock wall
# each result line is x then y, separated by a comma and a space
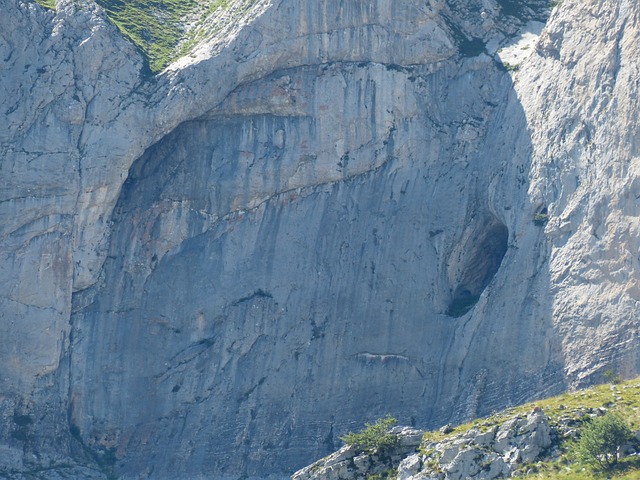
277, 260
330, 211
585, 168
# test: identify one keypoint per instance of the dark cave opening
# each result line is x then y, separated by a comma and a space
480, 266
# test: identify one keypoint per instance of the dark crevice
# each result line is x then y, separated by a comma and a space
525, 10
480, 266
257, 294
468, 46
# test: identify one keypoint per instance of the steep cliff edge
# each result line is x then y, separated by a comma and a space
328, 211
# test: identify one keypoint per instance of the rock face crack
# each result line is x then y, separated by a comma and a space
255, 295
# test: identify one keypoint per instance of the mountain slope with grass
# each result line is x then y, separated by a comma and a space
166, 30
588, 434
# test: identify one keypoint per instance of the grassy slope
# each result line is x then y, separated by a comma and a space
47, 3
623, 398
154, 26
157, 27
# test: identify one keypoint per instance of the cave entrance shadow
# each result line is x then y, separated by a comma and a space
505, 349
481, 265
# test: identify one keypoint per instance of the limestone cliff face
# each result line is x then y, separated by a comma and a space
585, 167
329, 211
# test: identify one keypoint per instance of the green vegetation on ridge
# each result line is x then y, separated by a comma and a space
159, 28
601, 438
51, 4
375, 436
155, 26
579, 410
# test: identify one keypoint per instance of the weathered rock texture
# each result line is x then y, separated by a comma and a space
490, 453
350, 462
331, 211
494, 453
518, 442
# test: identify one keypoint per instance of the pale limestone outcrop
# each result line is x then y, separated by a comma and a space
326, 201
352, 463
585, 169
487, 454
494, 453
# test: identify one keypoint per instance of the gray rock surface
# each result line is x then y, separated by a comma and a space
490, 454
350, 463
330, 211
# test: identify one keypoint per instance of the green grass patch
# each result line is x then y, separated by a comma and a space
159, 27
163, 30
540, 219
623, 398
155, 26
511, 67
51, 4
627, 469
386, 475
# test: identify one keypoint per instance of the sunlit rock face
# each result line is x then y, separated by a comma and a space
332, 211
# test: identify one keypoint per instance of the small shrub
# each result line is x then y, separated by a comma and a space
601, 438
373, 437
540, 219
511, 67
432, 463
611, 377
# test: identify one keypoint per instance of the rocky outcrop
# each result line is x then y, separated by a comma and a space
330, 210
523, 441
351, 462
492, 453
487, 453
